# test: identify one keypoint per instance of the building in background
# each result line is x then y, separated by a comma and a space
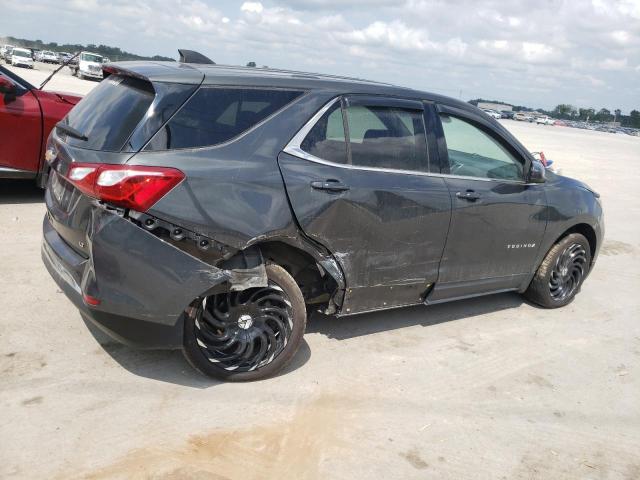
500, 107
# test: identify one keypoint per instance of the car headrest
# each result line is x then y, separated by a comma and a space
376, 133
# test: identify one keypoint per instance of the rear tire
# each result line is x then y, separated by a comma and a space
561, 273
247, 335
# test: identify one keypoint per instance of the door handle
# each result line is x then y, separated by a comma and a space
330, 185
468, 195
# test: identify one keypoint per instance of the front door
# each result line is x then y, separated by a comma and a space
498, 219
20, 131
365, 193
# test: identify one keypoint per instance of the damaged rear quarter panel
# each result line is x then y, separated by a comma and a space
166, 279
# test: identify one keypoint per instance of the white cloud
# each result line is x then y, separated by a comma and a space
613, 64
557, 51
252, 7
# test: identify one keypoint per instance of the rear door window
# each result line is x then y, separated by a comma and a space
109, 113
387, 137
216, 115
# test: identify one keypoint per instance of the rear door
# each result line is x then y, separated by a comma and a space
20, 131
358, 179
498, 219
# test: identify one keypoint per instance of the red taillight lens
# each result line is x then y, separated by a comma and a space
91, 301
126, 186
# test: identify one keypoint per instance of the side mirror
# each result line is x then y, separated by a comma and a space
537, 172
8, 89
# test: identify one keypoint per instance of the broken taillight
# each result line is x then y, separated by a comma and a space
127, 186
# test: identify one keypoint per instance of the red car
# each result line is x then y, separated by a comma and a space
27, 115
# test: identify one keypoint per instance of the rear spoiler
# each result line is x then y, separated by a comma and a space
153, 72
191, 56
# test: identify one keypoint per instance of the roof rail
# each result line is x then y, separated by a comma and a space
191, 56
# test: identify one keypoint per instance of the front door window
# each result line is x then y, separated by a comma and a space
475, 153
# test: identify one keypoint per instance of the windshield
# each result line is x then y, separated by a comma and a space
90, 57
21, 53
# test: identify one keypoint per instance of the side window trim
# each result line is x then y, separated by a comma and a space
485, 127
294, 146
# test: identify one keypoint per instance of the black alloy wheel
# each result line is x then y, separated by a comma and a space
249, 334
568, 272
561, 273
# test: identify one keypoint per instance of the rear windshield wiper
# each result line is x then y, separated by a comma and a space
72, 132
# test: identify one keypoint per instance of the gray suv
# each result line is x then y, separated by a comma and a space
211, 208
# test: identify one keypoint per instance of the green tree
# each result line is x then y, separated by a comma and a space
635, 118
251, 64
586, 113
564, 110
604, 115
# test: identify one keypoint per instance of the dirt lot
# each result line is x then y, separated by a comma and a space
488, 388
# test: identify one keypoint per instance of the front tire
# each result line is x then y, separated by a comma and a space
561, 273
247, 335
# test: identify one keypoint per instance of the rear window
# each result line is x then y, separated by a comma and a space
216, 115
109, 113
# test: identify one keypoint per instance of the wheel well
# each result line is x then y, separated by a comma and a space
586, 230
317, 285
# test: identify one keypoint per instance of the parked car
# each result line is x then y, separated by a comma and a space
7, 54
27, 115
88, 65
210, 208
5, 51
21, 57
4, 48
492, 113
522, 116
47, 56
545, 120
63, 57
507, 114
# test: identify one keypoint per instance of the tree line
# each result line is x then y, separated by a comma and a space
569, 112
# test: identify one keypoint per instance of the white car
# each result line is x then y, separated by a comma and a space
493, 113
545, 120
21, 57
89, 65
4, 51
48, 57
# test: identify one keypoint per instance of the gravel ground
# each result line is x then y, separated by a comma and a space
487, 388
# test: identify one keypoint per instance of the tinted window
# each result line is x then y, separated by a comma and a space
110, 112
475, 153
215, 115
326, 138
384, 137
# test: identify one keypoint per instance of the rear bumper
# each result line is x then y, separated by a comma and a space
144, 284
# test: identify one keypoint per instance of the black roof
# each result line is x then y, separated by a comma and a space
189, 73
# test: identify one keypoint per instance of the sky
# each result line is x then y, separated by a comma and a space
535, 53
